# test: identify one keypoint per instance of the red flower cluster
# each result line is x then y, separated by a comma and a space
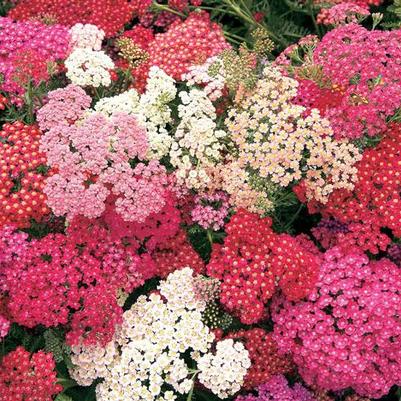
375, 202
263, 352
29, 65
22, 175
28, 377
254, 260
109, 15
58, 274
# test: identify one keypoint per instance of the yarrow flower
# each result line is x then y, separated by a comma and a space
63, 279
27, 49
23, 175
342, 13
346, 334
86, 67
355, 69
254, 260
108, 15
155, 334
26, 376
273, 136
210, 210
86, 36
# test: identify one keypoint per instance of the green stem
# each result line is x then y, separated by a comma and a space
312, 15
210, 237
163, 7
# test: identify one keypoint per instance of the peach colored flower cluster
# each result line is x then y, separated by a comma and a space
279, 143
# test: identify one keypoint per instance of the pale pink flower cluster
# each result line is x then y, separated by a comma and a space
210, 210
86, 36
97, 156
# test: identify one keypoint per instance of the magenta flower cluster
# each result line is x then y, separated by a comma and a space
364, 66
48, 42
348, 332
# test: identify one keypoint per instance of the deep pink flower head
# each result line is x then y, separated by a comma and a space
348, 332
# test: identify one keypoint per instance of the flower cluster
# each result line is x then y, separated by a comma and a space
86, 67
211, 210
185, 43
342, 13
86, 36
375, 202
23, 173
273, 136
347, 332
358, 67
254, 260
24, 376
58, 274
109, 15
27, 49
156, 332
198, 143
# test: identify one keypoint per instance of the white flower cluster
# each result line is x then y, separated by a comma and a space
86, 36
213, 84
90, 362
126, 102
155, 111
87, 67
156, 333
198, 143
223, 372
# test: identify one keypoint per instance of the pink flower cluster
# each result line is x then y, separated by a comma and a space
342, 13
185, 43
210, 210
43, 44
277, 389
348, 332
94, 159
364, 65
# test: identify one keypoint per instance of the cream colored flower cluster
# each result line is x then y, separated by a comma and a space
278, 143
225, 368
87, 67
146, 359
198, 144
91, 362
